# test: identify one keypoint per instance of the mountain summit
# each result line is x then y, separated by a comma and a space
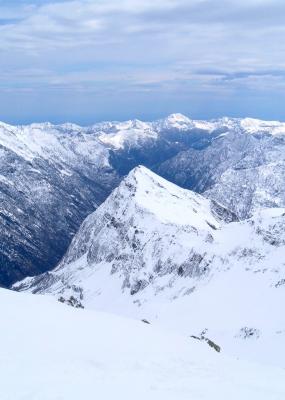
148, 228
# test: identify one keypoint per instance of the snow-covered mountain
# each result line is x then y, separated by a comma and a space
153, 250
53, 176
243, 171
57, 352
147, 227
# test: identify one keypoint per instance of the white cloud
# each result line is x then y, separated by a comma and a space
136, 45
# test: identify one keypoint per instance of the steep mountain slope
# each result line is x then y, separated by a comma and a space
50, 180
155, 251
53, 176
243, 171
57, 352
256, 181
148, 227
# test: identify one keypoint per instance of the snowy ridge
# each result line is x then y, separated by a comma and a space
150, 191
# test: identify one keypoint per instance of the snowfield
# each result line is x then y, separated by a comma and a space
51, 351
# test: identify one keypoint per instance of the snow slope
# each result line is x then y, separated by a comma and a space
153, 250
53, 352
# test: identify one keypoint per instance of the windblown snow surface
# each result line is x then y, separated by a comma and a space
51, 351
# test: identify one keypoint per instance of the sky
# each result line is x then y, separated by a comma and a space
85, 61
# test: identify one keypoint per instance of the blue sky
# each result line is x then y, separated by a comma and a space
86, 61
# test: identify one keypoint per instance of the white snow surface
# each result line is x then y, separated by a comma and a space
51, 351
156, 251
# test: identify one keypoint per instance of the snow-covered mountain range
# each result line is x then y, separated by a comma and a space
153, 250
53, 176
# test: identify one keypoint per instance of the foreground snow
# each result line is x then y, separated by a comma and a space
52, 351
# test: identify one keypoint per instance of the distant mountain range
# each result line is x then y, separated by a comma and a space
53, 176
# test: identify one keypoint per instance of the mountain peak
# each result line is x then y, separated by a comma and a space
140, 171
178, 117
175, 121
147, 224
149, 191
